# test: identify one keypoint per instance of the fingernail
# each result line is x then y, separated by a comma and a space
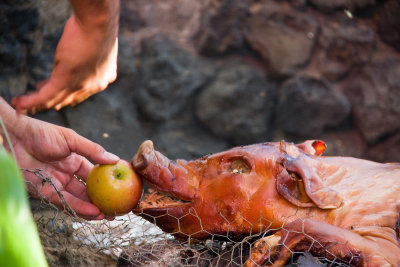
111, 156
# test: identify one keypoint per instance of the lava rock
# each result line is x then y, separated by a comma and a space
238, 105
183, 137
168, 76
283, 37
386, 151
12, 55
298, 4
180, 19
129, 17
53, 15
374, 92
14, 3
308, 105
43, 61
23, 22
344, 45
331, 6
16, 85
110, 119
347, 143
221, 27
388, 23
126, 64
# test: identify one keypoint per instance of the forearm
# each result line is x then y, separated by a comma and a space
98, 20
98, 14
12, 122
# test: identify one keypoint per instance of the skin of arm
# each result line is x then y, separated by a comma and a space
61, 152
85, 60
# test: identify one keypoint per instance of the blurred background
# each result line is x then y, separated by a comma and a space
202, 76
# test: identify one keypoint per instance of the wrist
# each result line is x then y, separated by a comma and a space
11, 120
8, 115
102, 14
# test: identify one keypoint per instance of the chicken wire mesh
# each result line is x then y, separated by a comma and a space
130, 240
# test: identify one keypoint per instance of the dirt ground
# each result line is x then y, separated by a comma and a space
60, 246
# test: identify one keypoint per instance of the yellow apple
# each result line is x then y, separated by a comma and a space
114, 188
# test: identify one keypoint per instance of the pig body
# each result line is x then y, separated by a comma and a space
307, 197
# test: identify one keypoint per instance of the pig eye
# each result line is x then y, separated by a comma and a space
240, 165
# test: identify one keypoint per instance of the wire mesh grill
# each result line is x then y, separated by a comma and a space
130, 240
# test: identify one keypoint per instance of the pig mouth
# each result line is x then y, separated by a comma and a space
153, 199
162, 209
166, 184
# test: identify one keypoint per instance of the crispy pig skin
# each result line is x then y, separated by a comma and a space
248, 189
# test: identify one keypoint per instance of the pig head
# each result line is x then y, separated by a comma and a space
235, 193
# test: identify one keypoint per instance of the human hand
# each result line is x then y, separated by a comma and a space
62, 153
85, 63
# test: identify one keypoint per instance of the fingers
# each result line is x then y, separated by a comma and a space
67, 98
83, 171
96, 83
80, 204
73, 99
42, 83
77, 189
82, 208
88, 149
77, 198
38, 100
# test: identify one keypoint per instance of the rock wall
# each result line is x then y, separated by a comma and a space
201, 76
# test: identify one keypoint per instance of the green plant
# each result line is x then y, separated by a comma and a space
19, 239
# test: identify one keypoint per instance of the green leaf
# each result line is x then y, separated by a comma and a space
19, 239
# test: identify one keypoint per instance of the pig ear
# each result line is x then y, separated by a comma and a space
300, 184
312, 147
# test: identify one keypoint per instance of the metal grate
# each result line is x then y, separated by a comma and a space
130, 240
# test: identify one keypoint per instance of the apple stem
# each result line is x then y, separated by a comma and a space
118, 174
